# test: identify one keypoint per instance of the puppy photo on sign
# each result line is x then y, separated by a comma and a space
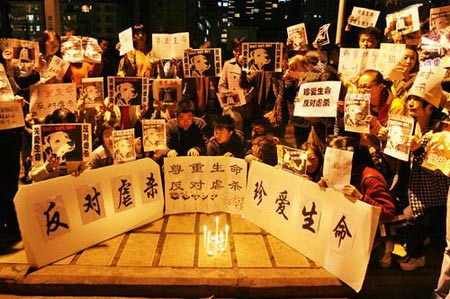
262, 56
202, 62
128, 90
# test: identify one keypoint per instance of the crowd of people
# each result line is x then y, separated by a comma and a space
198, 125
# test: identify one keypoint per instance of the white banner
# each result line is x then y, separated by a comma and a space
334, 232
64, 215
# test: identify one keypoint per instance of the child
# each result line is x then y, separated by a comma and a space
226, 140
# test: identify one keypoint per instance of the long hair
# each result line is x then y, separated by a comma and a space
45, 36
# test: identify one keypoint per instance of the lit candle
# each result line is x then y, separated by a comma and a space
222, 244
208, 244
217, 227
205, 232
227, 228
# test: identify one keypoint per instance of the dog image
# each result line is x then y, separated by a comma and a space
353, 115
258, 59
199, 65
126, 94
122, 150
58, 144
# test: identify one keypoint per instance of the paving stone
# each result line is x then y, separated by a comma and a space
219, 260
286, 256
16, 256
65, 261
183, 223
101, 254
240, 225
251, 251
154, 226
139, 250
178, 251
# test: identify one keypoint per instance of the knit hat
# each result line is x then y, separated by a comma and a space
427, 85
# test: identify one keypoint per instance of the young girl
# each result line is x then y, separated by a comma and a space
103, 155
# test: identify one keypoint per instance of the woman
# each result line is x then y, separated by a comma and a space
314, 161
49, 46
103, 155
367, 183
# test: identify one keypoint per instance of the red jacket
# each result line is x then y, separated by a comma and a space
375, 190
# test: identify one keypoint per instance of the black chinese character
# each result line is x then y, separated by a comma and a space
151, 184
341, 230
309, 221
53, 222
124, 193
92, 202
259, 192
282, 202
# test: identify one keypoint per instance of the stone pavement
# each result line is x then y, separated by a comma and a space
167, 258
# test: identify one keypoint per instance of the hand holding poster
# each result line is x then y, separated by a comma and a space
438, 153
363, 17
70, 143
263, 56
46, 98
166, 45
317, 99
123, 146
128, 90
356, 110
337, 167
202, 62
154, 134
92, 92
126, 41
400, 128
297, 35
230, 99
292, 159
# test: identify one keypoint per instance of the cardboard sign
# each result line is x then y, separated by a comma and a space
64, 215
263, 56
166, 45
46, 98
202, 62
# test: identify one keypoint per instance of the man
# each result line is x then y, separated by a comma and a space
186, 135
369, 38
226, 140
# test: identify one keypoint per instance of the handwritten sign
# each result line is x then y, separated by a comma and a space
46, 98
363, 17
11, 115
317, 99
166, 45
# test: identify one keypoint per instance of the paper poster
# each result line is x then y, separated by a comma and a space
390, 61
230, 99
166, 92
297, 33
400, 129
317, 99
404, 21
11, 115
46, 98
166, 45
21, 53
363, 17
57, 68
71, 143
263, 56
322, 38
202, 62
356, 110
427, 79
337, 167
92, 92
123, 146
154, 134
322, 224
64, 215
76, 49
128, 90
439, 20
126, 41
438, 153
204, 184
292, 159
352, 61
6, 93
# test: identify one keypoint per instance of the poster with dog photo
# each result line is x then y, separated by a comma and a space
92, 92
128, 90
21, 53
71, 143
400, 128
297, 34
123, 146
202, 62
356, 110
6, 93
76, 49
404, 21
292, 159
263, 56
230, 99
166, 92
153, 134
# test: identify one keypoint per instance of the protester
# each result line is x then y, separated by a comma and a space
227, 141
103, 154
